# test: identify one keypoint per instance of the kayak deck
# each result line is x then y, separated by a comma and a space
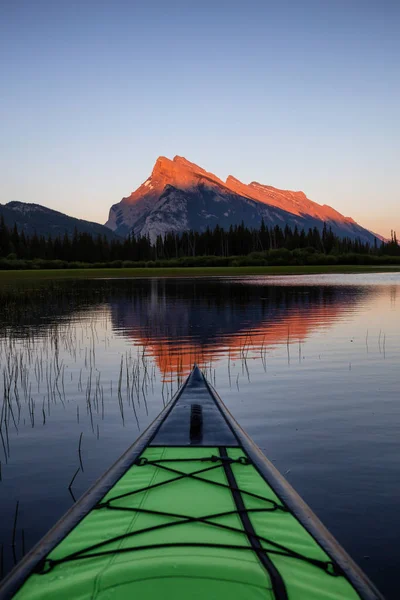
170, 528
192, 516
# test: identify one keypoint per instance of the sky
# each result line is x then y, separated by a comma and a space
298, 95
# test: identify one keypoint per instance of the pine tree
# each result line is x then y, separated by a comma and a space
4, 238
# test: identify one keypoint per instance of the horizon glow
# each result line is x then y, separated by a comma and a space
296, 96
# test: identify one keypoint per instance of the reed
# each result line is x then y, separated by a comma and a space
80, 451
73, 478
14, 533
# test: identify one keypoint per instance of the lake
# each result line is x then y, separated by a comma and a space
308, 365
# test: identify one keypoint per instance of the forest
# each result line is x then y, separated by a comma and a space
236, 247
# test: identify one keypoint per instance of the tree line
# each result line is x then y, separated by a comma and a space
238, 241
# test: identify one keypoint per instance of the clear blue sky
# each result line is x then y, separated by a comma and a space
296, 94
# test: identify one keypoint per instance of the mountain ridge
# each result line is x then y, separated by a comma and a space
35, 218
181, 195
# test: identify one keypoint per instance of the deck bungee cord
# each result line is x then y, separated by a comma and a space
49, 564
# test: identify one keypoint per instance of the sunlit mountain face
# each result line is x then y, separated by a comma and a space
180, 322
180, 195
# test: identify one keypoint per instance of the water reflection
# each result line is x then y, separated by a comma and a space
181, 322
309, 366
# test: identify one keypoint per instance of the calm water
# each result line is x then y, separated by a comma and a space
308, 365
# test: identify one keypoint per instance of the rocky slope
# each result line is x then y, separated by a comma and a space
31, 218
179, 195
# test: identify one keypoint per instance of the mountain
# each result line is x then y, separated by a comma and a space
180, 195
31, 218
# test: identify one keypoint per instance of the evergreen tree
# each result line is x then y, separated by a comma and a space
238, 240
4, 238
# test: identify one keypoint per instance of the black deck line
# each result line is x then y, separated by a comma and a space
278, 585
196, 424
195, 419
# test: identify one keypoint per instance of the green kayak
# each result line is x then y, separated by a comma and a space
193, 510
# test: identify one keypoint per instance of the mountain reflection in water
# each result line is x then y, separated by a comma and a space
181, 322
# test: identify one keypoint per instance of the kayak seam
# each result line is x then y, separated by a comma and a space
224, 579
278, 585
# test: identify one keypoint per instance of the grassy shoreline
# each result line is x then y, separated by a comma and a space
116, 273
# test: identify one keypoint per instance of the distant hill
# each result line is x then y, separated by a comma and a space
179, 196
31, 218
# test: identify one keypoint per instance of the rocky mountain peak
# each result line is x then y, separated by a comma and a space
231, 180
179, 172
163, 167
183, 162
180, 195
167, 168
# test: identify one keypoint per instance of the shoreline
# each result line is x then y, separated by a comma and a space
183, 272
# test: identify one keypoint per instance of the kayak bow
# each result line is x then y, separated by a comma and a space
192, 510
